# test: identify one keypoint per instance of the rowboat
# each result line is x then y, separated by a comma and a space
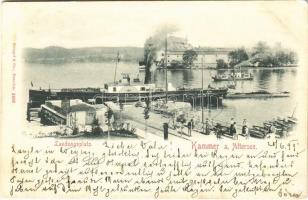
261, 128
257, 133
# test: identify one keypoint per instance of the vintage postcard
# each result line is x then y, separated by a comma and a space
154, 100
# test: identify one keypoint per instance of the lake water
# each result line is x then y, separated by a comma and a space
256, 111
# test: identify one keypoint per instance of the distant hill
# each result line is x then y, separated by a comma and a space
55, 54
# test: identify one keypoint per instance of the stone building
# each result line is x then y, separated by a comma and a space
176, 47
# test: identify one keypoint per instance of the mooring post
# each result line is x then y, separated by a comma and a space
166, 126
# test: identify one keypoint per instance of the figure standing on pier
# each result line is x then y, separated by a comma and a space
245, 129
189, 126
218, 131
128, 79
231, 126
234, 132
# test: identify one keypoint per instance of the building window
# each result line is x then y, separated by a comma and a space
142, 88
114, 89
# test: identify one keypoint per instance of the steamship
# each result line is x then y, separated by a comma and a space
126, 91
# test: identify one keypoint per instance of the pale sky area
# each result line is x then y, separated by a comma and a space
219, 24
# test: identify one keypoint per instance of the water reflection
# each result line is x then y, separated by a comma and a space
263, 79
274, 80
96, 74
178, 78
188, 76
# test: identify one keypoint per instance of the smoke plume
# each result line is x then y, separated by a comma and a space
153, 44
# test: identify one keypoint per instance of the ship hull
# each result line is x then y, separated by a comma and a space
38, 97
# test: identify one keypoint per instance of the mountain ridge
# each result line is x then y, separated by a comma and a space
58, 54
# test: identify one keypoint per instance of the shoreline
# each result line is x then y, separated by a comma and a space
225, 69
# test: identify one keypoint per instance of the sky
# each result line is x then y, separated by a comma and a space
219, 24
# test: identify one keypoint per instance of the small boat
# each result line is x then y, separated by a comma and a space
285, 123
292, 119
281, 128
270, 124
280, 125
233, 76
257, 133
225, 131
261, 128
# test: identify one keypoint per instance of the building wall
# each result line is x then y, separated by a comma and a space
85, 118
100, 115
210, 57
76, 118
90, 116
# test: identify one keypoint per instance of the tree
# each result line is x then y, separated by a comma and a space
237, 56
292, 57
267, 60
220, 63
189, 56
260, 48
264, 56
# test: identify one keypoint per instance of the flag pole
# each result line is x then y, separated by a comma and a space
115, 70
166, 74
202, 100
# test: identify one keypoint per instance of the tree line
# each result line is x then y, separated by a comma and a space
261, 55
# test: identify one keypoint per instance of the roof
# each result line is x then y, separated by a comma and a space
53, 111
213, 49
112, 106
200, 50
81, 107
